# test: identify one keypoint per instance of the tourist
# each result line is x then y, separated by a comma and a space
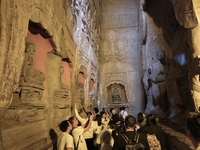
95, 112
105, 139
104, 119
98, 119
114, 116
120, 142
141, 117
65, 140
78, 131
94, 129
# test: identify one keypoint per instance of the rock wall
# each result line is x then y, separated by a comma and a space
169, 55
121, 57
45, 45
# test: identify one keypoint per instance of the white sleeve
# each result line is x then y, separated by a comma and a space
82, 120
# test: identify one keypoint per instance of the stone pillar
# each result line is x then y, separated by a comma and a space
12, 49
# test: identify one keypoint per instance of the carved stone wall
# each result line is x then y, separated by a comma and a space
170, 77
110, 42
61, 32
121, 58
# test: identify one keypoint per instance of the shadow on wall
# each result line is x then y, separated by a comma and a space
54, 137
53, 145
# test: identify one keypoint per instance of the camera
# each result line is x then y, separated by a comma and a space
88, 114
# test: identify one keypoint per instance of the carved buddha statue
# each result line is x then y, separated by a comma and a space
29, 74
116, 98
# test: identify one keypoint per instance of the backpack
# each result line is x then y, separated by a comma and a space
133, 144
154, 143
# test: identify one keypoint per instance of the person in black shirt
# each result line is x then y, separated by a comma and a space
115, 117
119, 141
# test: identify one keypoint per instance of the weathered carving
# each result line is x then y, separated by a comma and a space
188, 17
116, 98
166, 89
79, 99
31, 81
194, 76
84, 61
60, 95
23, 114
185, 13
120, 77
115, 54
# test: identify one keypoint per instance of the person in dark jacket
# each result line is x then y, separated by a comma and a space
114, 117
120, 142
151, 128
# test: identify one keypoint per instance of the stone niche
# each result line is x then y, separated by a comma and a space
91, 93
61, 94
116, 95
24, 121
79, 98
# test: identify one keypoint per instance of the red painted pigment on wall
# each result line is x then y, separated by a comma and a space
65, 78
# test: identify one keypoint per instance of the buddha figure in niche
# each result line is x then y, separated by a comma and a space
63, 86
29, 74
116, 98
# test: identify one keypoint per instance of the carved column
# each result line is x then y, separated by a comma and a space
12, 49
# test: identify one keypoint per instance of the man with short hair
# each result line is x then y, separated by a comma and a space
120, 140
95, 112
65, 140
193, 129
114, 116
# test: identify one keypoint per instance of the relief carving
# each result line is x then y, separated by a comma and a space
185, 13
115, 54
116, 98
154, 81
186, 39
165, 79
93, 73
31, 80
115, 77
79, 98
23, 114
84, 61
60, 95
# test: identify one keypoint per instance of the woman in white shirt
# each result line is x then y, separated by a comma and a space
89, 135
105, 138
105, 119
78, 131
98, 129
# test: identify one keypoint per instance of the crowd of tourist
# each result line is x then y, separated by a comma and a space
109, 130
